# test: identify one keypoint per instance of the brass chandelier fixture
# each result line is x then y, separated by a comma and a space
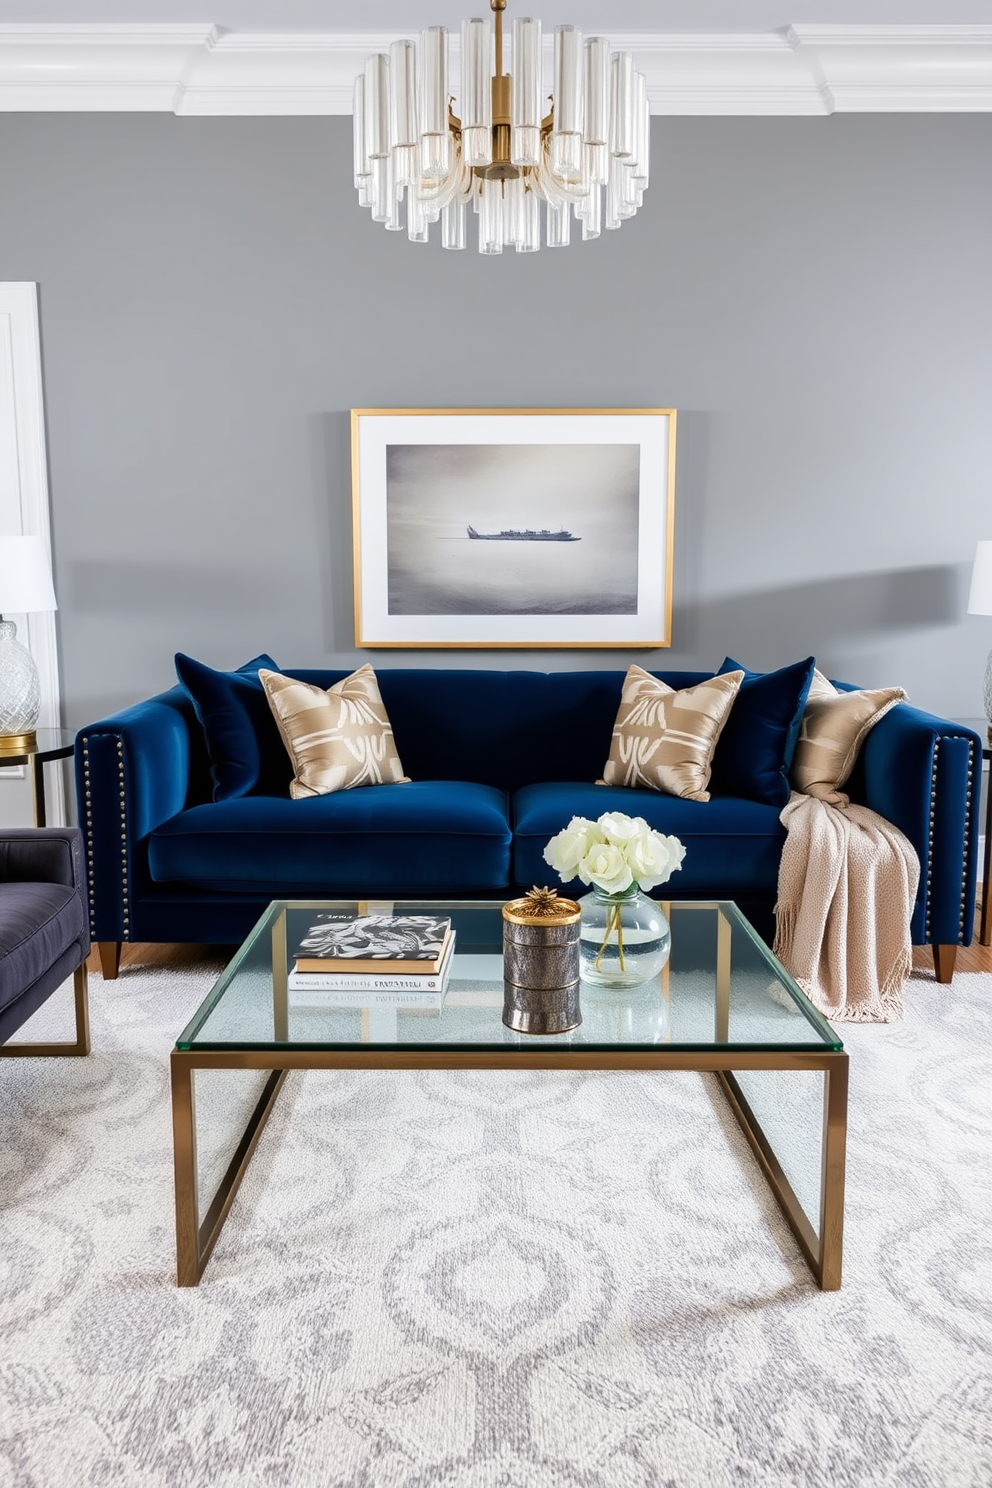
502, 155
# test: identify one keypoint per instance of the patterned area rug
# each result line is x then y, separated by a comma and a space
489, 1280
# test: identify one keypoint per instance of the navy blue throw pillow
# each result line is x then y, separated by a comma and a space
247, 756
754, 751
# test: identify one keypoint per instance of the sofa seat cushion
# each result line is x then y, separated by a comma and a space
39, 922
732, 846
437, 836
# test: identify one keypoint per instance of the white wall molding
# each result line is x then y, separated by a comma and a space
198, 69
24, 504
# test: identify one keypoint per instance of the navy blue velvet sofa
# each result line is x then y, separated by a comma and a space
499, 761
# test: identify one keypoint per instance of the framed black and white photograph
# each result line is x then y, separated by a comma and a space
515, 527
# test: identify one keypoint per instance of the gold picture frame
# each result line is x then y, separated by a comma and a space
513, 527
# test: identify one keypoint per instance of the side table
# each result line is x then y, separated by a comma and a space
982, 729
49, 744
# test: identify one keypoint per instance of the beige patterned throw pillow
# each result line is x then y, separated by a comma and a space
665, 739
338, 738
834, 728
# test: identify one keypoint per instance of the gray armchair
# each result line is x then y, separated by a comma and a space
44, 930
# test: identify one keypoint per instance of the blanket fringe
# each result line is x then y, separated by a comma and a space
888, 1008
786, 917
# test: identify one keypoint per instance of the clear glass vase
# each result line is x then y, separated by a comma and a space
624, 939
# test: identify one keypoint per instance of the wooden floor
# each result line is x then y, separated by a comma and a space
176, 956
975, 958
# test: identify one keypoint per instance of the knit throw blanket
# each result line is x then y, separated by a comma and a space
846, 887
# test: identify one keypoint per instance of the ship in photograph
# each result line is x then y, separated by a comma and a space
528, 534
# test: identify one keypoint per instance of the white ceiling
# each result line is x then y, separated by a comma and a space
406, 17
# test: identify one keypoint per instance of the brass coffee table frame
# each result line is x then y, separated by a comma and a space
822, 1246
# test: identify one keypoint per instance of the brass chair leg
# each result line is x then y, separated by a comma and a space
79, 1046
80, 988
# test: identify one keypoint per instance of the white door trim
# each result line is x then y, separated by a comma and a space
24, 507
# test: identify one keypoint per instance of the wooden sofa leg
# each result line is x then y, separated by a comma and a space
110, 958
944, 957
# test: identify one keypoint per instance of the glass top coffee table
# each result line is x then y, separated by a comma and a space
723, 1004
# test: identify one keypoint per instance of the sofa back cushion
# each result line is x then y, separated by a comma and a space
501, 728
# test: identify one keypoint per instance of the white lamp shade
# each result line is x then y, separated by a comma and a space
26, 576
980, 598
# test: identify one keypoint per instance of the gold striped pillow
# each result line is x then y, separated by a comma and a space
337, 739
665, 739
833, 730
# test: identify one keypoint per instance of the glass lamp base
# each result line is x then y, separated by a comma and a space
20, 690
988, 694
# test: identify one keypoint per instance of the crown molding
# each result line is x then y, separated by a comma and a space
899, 69
189, 70
105, 68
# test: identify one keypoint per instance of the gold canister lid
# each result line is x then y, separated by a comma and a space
541, 907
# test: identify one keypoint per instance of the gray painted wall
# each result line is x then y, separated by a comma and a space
813, 295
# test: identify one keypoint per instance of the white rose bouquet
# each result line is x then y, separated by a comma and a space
619, 854
616, 853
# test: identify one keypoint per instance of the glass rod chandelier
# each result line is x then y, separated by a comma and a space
587, 156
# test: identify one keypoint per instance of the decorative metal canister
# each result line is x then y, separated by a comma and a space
541, 963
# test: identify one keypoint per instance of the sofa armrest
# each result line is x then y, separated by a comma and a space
132, 774
923, 774
42, 855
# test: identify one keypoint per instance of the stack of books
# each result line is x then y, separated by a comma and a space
373, 960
